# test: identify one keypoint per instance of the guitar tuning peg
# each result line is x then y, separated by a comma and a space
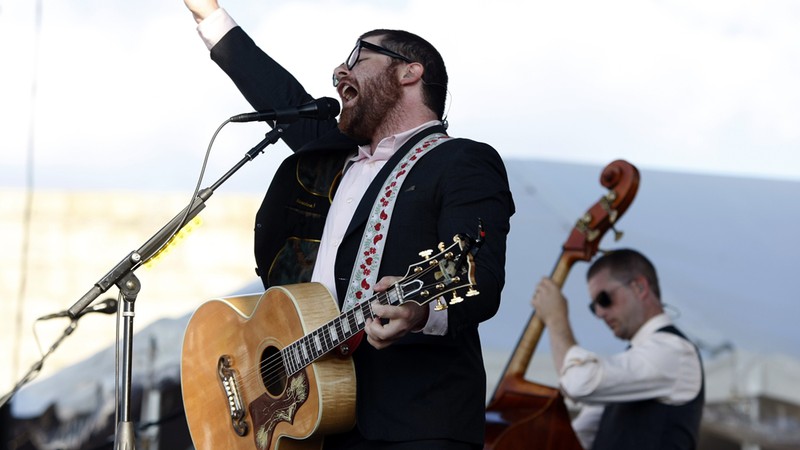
426, 253
456, 299
617, 234
472, 292
440, 305
441, 246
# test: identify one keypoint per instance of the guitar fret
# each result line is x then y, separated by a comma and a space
334, 336
287, 359
367, 312
394, 295
359, 317
317, 343
346, 324
309, 344
305, 351
347, 330
323, 335
330, 335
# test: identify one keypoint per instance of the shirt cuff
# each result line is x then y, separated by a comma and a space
437, 322
580, 374
577, 356
215, 26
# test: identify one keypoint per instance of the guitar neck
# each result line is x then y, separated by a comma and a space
318, 343
425, 281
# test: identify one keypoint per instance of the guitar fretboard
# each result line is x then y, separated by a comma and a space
304, 351
319, 342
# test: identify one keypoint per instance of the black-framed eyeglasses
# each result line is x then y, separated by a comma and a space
353, 59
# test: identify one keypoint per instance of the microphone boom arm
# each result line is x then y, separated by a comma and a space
138, 257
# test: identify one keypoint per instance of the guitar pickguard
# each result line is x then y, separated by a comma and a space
267, 412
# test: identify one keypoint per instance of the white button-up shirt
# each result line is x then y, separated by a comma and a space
361, 170
659, 366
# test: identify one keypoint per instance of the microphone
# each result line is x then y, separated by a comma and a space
320, 109
107, 306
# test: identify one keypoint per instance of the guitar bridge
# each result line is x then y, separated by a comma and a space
227, 378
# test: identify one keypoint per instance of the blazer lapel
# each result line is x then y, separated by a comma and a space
365, 206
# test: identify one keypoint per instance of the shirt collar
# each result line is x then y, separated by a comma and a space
651, 326
389, 145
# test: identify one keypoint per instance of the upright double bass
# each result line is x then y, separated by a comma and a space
522, 414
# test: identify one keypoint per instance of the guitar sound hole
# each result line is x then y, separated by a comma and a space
272, 373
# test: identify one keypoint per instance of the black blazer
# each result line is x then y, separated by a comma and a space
422, 387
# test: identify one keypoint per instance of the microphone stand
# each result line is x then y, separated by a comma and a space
122, 276
37, 367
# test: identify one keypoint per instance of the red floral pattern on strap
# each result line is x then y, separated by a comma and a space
365, 272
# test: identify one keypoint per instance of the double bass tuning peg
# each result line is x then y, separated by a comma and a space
613, 214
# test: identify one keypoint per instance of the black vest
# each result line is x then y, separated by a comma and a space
649, 424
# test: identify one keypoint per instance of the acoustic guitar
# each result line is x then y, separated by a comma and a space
273, 372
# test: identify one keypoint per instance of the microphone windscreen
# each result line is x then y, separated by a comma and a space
327, 107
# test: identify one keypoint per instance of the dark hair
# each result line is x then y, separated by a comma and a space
624, 265
413, 47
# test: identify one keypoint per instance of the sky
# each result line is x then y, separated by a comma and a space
102, 94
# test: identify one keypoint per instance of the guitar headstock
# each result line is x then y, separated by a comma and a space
438, 277
622, 180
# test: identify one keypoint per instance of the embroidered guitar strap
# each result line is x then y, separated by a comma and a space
365, 271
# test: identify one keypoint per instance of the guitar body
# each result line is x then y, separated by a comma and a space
233, 395
268, 372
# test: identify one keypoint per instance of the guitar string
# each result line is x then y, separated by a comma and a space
328, 340
277, 371
274, 368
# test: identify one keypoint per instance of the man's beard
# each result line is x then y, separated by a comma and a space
376, 98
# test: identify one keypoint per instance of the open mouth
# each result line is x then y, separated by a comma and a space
347, 93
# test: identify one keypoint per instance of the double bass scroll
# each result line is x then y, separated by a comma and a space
524, 414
